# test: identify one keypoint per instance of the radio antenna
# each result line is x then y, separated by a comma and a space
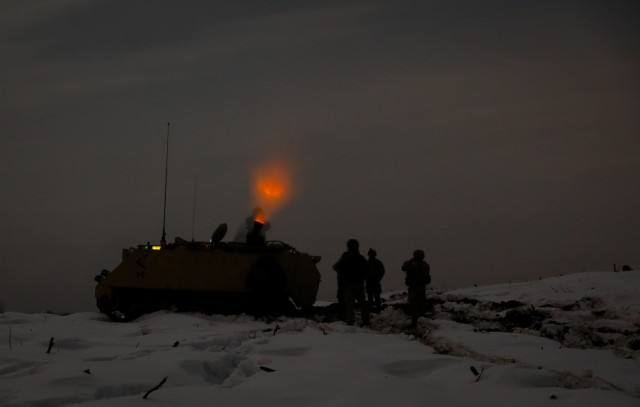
193, 216
163, 241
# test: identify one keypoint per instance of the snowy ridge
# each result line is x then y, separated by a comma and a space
587, 310
613, 290
566, 341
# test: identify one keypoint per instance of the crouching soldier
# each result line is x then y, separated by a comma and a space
417, 277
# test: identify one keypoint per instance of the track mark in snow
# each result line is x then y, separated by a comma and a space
47, 402
415, 369
101, 359
13, 369
71, 344
79, 381
137, 354
572, 381
286, 352
109, 392
229, 370
218, 343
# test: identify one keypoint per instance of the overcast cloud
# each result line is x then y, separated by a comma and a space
501, 136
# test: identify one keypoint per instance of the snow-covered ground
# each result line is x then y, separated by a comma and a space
565, 341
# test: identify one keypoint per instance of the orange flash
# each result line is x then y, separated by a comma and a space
258, 216
271, 188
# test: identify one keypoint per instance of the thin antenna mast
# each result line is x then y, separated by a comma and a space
193, 216
163, 241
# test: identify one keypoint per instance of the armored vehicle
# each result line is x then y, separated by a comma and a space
256, 276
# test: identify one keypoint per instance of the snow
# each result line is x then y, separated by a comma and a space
564, 341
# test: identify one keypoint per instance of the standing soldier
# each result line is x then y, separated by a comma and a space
417, 277
374, 277
352, 269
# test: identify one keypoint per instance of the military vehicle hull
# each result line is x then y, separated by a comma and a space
231, 277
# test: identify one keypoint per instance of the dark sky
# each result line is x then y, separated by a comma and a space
502, 137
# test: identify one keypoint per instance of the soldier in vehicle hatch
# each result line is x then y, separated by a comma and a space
352, 269
374, 277
417, 277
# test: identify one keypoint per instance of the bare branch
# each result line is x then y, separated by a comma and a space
155, 388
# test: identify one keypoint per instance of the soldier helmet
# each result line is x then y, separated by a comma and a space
418, 254
352, 244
